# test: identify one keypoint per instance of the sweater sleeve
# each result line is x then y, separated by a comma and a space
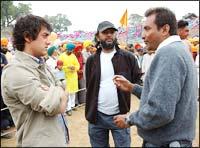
137, 90
159, 105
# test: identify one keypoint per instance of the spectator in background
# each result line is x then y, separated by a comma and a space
70, 67
6, 119
60, 74
53, 57
80, 97
61, 48
139, 54
183, 32
147, 59
86, 51
87, 45
93, 49
4, 49
195, 46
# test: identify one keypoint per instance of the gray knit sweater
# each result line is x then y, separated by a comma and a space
168, 103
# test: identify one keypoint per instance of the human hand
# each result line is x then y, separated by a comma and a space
59, 67
2, 65
80, 71
71, 68
122, 83
44, 87
120, 121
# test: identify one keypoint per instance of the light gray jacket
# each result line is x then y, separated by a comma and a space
34, 109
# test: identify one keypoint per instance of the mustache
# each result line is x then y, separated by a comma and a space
109, 39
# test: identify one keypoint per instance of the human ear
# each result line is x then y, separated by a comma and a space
165, 29
27, 37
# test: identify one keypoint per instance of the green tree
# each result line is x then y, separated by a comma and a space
10, 12
190, 16
59, 22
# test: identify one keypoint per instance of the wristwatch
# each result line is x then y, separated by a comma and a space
127, 120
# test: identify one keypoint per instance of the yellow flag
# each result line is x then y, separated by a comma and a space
124, 19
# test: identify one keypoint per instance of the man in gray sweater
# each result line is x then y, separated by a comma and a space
168, 101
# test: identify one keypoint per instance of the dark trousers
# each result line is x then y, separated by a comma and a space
80, 96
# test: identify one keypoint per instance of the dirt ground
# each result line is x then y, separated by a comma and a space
79, 134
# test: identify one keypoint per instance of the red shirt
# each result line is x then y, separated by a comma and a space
80, 60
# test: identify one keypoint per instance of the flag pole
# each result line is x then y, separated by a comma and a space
124, 23
127, 34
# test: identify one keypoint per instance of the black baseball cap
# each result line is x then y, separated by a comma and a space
105, 25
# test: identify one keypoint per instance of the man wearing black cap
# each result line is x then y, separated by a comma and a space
103, 99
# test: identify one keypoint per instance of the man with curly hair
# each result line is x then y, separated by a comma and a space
30, 90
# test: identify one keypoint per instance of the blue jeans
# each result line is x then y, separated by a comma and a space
99, 132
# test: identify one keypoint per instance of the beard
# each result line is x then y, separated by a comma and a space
106, 45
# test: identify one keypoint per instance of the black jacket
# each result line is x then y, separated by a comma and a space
124, 63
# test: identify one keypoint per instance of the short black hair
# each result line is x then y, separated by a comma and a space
28, 26
163, 16
182, 24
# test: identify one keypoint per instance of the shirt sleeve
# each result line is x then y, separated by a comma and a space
159, 107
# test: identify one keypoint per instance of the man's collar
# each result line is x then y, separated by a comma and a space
167, 41
39, 60
29, 59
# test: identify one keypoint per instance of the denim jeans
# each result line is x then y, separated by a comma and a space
99, 132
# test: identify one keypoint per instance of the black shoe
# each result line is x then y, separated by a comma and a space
69, 113
74, 109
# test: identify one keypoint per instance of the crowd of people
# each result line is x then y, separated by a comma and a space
41, 83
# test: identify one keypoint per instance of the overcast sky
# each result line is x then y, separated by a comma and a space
85, 15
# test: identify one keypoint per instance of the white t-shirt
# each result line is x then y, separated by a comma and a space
108, 98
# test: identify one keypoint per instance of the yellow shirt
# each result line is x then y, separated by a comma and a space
70, 75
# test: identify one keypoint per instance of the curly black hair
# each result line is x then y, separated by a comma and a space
28, 26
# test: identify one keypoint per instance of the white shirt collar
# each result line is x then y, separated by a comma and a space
113, 51
168, 41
